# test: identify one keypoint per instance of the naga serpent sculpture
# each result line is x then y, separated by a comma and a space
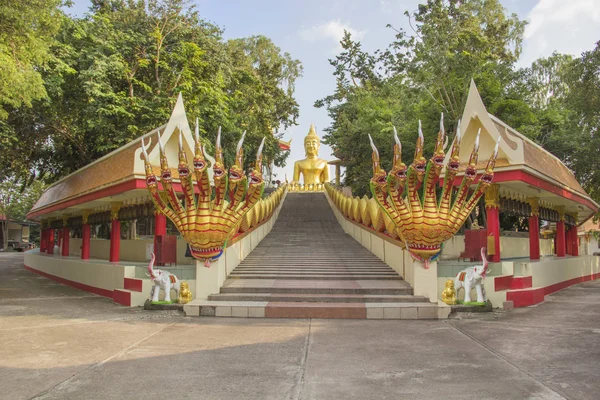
206, 224
423, 225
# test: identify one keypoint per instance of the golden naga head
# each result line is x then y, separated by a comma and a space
420, 221
205, 223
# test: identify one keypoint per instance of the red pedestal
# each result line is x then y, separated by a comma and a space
493, 229
65, 242
50, 249
43, 240
560, 239
534, 238
115, 240
85, 242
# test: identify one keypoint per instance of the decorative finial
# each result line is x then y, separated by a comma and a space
312, 134
240, 143
144, 150
180, 138
397, 139
497, 146
373, 146
160, 145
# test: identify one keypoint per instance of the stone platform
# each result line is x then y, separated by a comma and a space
307, 267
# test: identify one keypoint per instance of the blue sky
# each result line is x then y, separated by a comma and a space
310, 31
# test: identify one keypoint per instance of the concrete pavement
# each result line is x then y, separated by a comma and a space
61, 343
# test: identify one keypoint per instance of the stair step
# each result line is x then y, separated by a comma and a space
308, 267
305, 297
312, 269
313, 277
263, 309
406, 291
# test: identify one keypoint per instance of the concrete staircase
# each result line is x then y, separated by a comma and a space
307, 267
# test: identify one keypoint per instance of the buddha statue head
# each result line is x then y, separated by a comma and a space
312, 143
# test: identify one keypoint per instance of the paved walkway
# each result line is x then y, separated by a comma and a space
60, 343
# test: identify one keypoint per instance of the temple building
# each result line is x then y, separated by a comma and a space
99, 226
529, 183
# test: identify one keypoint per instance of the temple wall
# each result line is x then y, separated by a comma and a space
510, 247
99, 248
592, 246
553, 270
130, 250
99, 277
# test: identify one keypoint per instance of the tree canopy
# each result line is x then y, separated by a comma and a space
427, 71
115, 74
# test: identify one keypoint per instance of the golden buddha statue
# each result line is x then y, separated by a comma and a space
315, 171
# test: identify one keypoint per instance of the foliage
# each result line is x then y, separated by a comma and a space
16, 201
26, 35
116, 75
418, 76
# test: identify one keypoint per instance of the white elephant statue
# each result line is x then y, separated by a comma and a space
162, 279
473, 277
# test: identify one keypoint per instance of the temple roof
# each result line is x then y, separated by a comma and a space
119, 175
523, 168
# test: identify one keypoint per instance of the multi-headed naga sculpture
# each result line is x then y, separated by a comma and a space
422, 222
206, 224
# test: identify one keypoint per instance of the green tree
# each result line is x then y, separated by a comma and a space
420, 75
26, 36
16, 201
453, 42
117, 73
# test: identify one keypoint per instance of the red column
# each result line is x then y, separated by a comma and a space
493, 229
560, 239
575, 242
160, 224
534, 237
43, 240
115, 240
85, 242
50, 249
160, 229
572, 242
492, 210
65, 242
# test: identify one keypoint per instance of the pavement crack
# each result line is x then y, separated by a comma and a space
295, 392
505, 359
66, 382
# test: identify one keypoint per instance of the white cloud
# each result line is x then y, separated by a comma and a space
331, 31
565, 26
